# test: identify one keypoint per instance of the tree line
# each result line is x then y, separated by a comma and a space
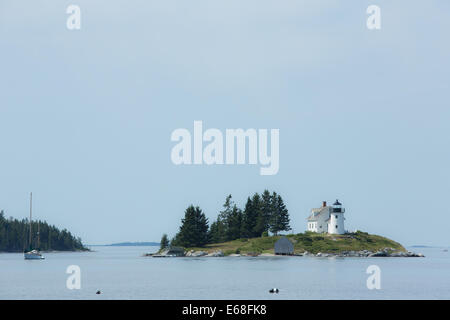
14, 236
262, 214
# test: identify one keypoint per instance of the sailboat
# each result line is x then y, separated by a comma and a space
32, 254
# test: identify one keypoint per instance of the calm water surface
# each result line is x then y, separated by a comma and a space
122, 273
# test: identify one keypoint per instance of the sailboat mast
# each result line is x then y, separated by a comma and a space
31, 205
38, 241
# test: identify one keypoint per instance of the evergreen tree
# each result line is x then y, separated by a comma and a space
264, 215
218, 230
250, 216
164, 242
214, 236
224, 218
193, 230
234, 224
247, 219
280, 216
284, 221
227, 209
229, 223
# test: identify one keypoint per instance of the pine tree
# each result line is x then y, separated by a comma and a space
218, 231
229, 223
250, 217
264, 215
227, 209
280, 216
193, 230
214, 235
164, 243
247, 219
234, 224
284, 215
224, 219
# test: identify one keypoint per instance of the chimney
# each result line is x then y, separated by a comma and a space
324, 203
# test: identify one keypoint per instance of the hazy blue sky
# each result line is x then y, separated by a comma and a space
86, 116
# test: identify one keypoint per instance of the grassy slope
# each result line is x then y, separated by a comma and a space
308, 241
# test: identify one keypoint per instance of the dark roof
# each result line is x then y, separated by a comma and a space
284, 246
337, 203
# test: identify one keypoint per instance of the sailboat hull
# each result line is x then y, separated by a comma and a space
33, 256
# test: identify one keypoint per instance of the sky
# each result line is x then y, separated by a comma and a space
86, 115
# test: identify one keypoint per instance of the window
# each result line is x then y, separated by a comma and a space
336, 217
336, 226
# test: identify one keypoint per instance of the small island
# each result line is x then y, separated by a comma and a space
255, 231
358, 244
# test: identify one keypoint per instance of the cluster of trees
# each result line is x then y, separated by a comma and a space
262, 213
14, 236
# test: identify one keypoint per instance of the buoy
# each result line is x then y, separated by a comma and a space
274, 290
98, 292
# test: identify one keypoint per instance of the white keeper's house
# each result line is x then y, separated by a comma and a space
329, 219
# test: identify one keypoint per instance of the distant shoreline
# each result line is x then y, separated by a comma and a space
127, 244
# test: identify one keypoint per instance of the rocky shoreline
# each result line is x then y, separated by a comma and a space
386, 252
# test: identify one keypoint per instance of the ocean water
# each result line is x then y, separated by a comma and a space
122, 273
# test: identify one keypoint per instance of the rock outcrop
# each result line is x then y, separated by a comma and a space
195, 254
218, 253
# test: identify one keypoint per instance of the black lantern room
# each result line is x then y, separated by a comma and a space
337, 206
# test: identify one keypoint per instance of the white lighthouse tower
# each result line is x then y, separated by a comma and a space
336, 222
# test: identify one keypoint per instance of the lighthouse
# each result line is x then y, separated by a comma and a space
327, 219
336, 222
